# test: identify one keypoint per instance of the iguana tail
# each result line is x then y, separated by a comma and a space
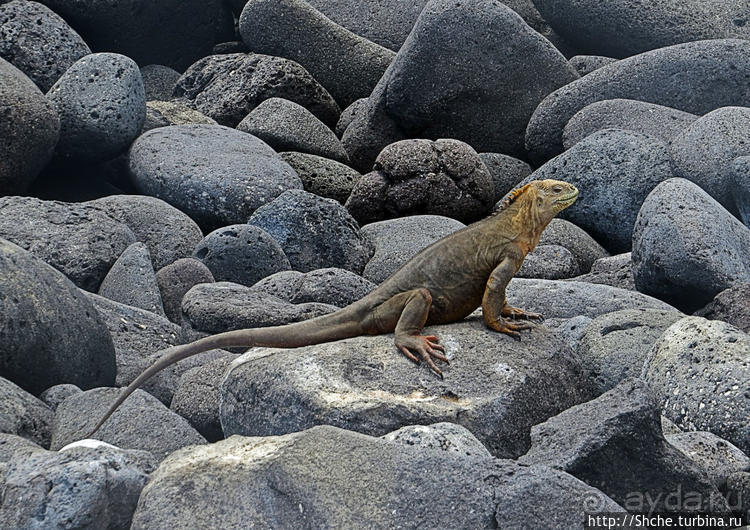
326, 328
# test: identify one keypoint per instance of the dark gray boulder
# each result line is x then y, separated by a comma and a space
81, 487
368, 482
224, 175
585, 64
314, 232
558, 299
398, 240
241, 254
616, 271
140, 338
142, 422
51, 332
223, 306
171, 32
288, 126
740, 185
132, 280
506, 172
348, 114
23, 415
177, 279
332, 286
9, 444
450, 81
422, 177
704, 153
227, 87
551, 262
658, 121
444, 436
365, 384
349, 66
102, 107
80, 240
159, 81
197, 397
731, 305
168, 233
698, 369
38, 42
686, 247
695, 77
620, 28
24, 110
719, 458
615, 443
582, 246
614, 346
323, 176
56, 394
614, 170
738, 493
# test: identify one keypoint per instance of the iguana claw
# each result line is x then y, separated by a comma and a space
510, 328
509, 311
427, 346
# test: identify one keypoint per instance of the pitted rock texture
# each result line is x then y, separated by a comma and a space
38, 41
227, 87
422, 177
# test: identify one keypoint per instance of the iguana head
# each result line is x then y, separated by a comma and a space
553, 196
538, 202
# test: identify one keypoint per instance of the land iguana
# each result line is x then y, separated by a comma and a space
443, 283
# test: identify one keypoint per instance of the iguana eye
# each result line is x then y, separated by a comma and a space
557, 189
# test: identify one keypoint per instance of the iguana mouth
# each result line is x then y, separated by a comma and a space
567, 200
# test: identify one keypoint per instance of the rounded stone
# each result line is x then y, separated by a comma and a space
241, 254
451, 81
227, 87
38, 41
658, 121
417, 177
51, 333
705, 151
332, 286
216, 175
177, 279
620, 28
506, 172
23, 109
585, 64
698, 370
314, 232
686, 247
102, 107
287, 126
695, 77
132, 280
614, 170
323, 176
349, 66
159, 81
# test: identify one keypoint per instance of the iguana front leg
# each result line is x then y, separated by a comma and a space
409, 311
494, 305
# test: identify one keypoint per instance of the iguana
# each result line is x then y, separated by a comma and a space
443, 283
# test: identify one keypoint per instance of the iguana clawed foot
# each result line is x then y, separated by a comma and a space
510, 328
426, 346
515, 312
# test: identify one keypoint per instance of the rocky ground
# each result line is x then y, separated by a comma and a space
177, 168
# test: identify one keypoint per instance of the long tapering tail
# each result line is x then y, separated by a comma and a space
326, 328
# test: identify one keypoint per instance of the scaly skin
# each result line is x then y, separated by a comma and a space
443, 283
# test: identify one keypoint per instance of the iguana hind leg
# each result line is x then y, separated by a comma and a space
409, 311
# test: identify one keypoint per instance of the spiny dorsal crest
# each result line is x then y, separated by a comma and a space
510, 198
